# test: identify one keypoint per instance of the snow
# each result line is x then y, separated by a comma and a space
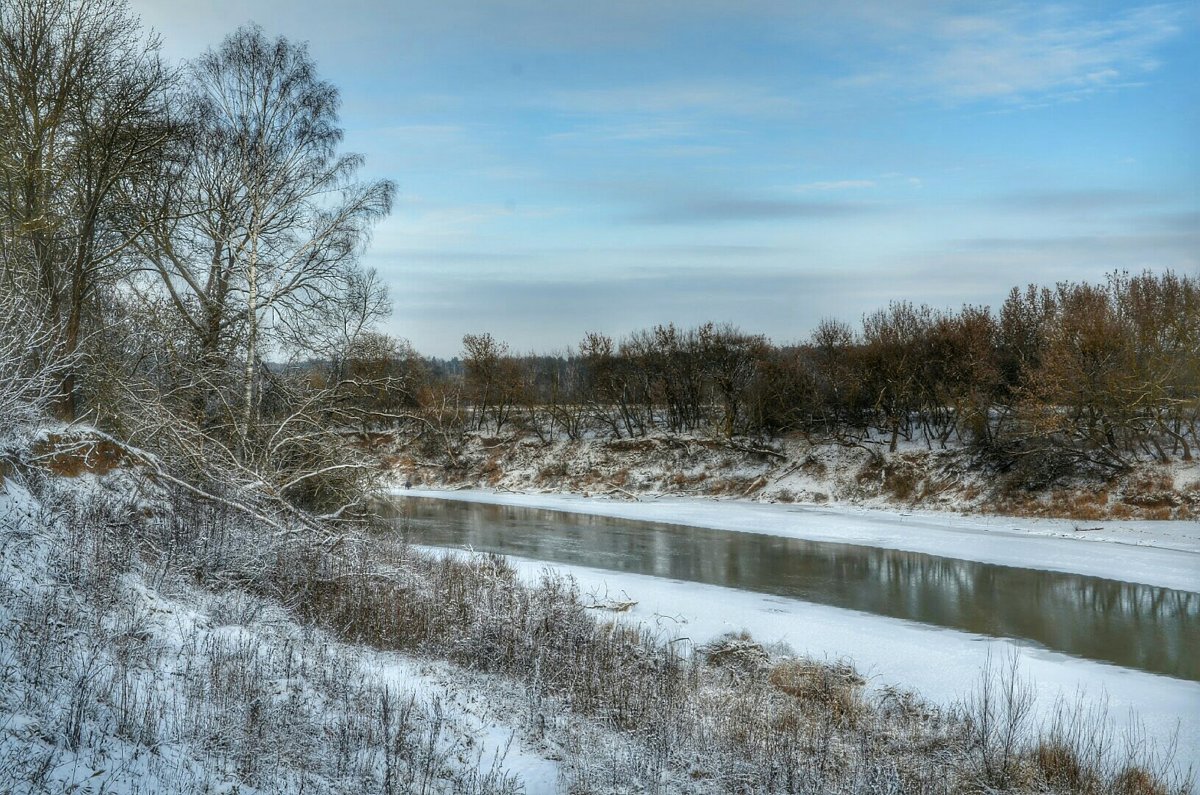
941, 665
112, 682
156, 669
476, 705
1165, 554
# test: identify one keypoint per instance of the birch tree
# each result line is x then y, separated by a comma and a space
268, 217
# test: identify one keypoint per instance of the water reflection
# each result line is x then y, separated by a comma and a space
1137, 626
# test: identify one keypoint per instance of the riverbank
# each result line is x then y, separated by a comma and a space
943, 666
915, 476
156, 638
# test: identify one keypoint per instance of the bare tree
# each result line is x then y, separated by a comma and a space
29, 378
268, 217
732, 360
81, 116
252, 234
493, 379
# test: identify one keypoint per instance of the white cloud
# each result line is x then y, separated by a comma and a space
1029, 53
716, 98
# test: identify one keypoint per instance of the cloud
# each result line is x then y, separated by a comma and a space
710, 98
989, 265
1167, 249
522, 26
420, 224
1074, 202
690, 150
1016, 53
725, 209
1030, 53
1186, 222
547, 314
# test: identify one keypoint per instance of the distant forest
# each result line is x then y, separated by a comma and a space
1076, 377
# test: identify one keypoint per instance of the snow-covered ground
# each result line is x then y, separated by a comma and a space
121, 677
1163, 554
942, 665
801, 471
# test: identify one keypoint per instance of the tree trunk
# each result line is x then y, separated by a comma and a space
251, 343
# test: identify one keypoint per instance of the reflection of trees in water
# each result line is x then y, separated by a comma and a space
1129, 624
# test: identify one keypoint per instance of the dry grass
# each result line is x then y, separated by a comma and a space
71, 456
552, 473
1136, 781
953, 478
836, 688
1061, 768
130, 671
684, 481
814, 467
901, 481
638, 445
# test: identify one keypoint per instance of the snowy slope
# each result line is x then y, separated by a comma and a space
119, 676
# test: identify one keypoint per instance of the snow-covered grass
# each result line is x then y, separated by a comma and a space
691, 722
119, 672
896, 653
942, 665
152, 641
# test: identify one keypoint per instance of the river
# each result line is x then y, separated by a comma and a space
1131, 625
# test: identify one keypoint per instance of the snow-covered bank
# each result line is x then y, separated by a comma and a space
942, 665
1163, 554
153, 641
801, 470
119, 673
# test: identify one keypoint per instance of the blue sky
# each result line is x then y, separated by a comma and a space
564, 168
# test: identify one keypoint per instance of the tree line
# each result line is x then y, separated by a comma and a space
1072, 378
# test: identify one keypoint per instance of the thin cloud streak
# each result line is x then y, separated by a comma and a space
840, 184
1080, 200
732, 209
1014, 53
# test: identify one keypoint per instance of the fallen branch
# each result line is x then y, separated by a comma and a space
616, 607
741, 448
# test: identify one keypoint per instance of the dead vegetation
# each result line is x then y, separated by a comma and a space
74, 455
130, 664
808, 472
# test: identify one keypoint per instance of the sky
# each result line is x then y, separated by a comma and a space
565, 167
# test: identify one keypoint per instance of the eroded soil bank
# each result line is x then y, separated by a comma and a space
795, 471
